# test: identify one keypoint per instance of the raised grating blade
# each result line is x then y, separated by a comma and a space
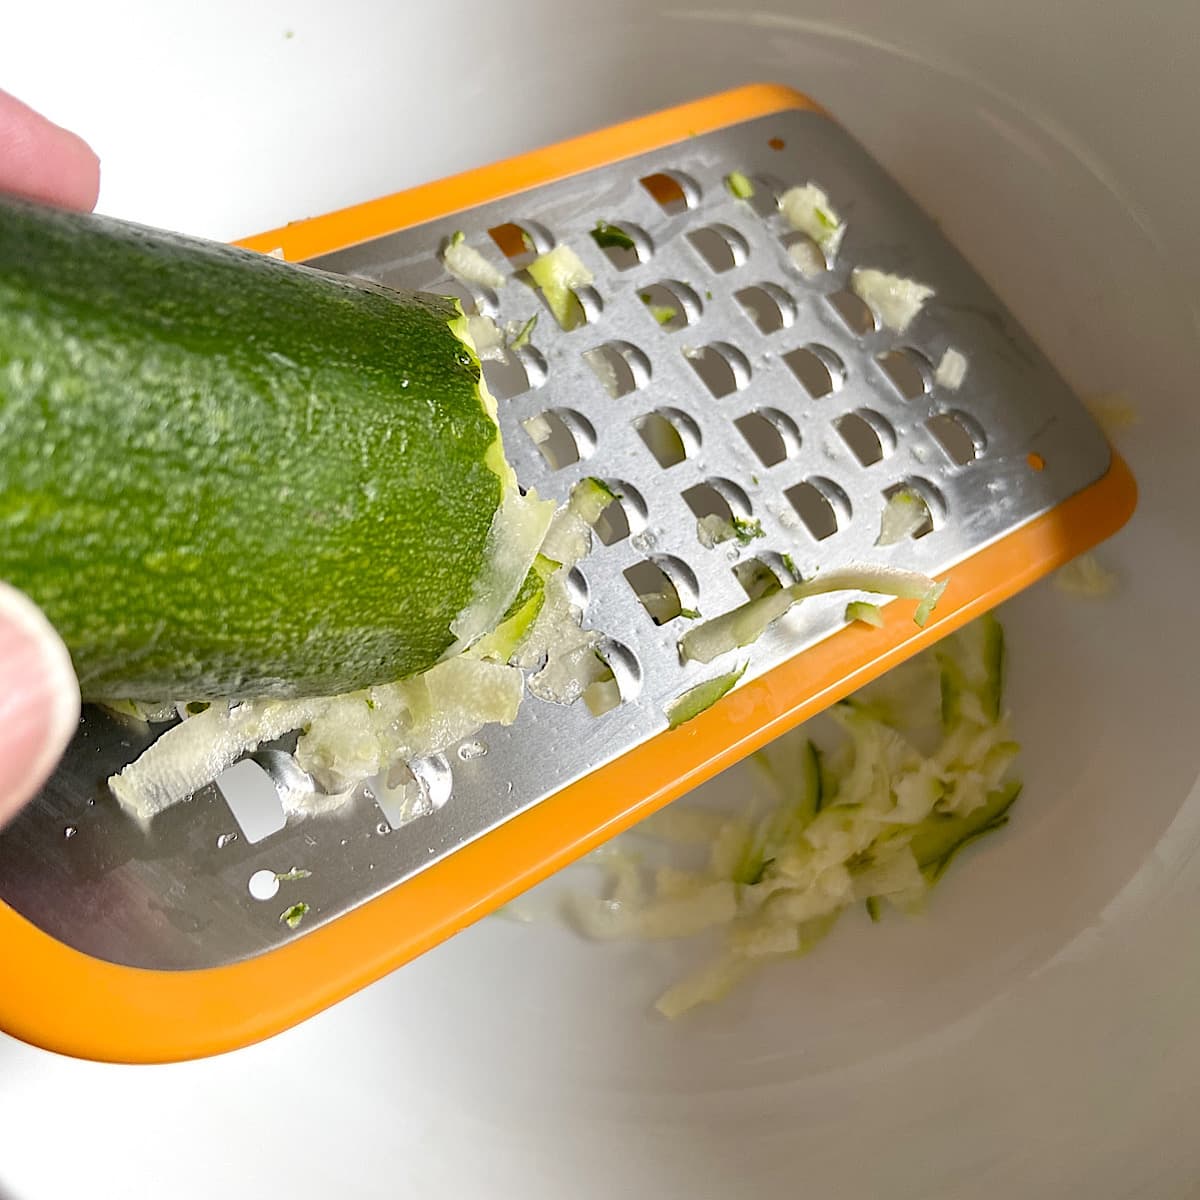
711, 376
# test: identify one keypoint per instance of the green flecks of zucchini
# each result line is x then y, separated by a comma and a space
939, 838
606, 236
701, 697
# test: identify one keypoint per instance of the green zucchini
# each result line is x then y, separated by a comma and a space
938, 838
700, 698
222, 475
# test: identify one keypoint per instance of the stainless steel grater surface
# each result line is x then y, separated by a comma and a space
769, 396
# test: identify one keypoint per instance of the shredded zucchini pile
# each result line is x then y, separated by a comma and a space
920, 767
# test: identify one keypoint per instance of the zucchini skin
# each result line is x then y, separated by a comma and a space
222, 475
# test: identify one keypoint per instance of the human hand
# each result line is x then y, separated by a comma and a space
43, 161
39, 694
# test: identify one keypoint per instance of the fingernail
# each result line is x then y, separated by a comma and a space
39, 700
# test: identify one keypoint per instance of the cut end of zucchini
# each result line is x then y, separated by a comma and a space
518, 530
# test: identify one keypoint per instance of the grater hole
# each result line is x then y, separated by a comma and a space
623, 682
435, 778
867, 435
959, 436
767, 190
624, 244
263, 885
665, 586
672, 305
620, 366
401, 799
518, 372
772, 435
578, 591
907, 371
521, 244
776, 143
723, 368
718, 498
624, 516
413, 789
821, 505
929, 498
253, 800
670, 435
457, 290
758, 577
818, 369
853, 312
768, 306
720, 246
673, 191
564, 437
612, 525
805, 255
583, 307
533, 362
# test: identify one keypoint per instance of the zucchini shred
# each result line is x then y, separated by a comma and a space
917, 770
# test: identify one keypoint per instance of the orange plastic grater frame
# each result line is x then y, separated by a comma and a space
61, 999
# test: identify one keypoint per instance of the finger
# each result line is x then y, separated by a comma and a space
39, 700
43, 161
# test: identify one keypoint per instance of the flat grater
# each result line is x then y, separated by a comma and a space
715, 372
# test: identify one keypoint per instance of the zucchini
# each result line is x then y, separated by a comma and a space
971, 663
224, 476
700, 698
867, 614
740, 185
938, 838
608, 236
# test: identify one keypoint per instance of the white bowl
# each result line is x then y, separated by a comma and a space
1035, 1034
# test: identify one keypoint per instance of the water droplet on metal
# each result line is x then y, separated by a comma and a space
224, 839
383, 829
70, 831
470, 750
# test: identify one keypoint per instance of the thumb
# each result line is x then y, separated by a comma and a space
39, 700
